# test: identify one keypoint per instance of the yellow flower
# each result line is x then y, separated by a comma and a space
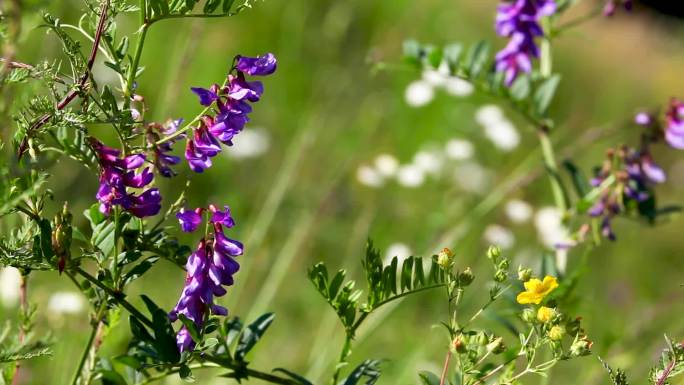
536, 290
545, 314
556, 333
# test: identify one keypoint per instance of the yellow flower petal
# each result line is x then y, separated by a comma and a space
526, 297
532, 284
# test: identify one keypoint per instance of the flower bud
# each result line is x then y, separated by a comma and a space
504, 264
61, 237
496, 346
556, 333
545, 314
500, 275
466, 277
445, 258
581, 347
528, 315
459, 345
493, 253
524, 274
482, 339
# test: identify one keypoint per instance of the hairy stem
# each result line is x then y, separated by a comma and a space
85, 354
445, 370
23, 303
342, 361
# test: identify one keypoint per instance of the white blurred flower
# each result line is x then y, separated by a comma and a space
368, 176
472, 177
458, 87
503, 134
499, 236
419, 93
459, 149
435, 78
10, 279
410, 175
550, 227
387, 165
518, 211
428, 161
65, 302
250, 143
399, 250
489, 114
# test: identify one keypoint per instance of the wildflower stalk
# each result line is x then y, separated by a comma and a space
23, 330
144, 25
96, 323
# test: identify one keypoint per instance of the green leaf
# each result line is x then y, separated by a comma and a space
227, 5
139, 331
192, 328
429, 378
544, 94
336, 283
520, 89
368, 368
252, 334
186, 374
139, 269
46, 239
579, 180
211, 5
477, 58
452, 55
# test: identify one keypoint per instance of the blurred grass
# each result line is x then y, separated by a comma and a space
327, 112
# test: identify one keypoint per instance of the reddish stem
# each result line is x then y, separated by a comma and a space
446, 368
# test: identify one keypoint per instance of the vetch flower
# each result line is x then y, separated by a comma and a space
228, 109
519, 21
674, 124
160, 152
536, 290
209, 268
117, 175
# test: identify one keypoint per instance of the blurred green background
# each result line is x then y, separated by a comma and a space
327, 114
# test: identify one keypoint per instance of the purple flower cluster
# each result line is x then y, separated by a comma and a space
163, 160
674, 124
117, 175
635, 171
612, 5
231, 109
209, 268
519, 21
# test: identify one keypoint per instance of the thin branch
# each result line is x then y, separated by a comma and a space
82, 81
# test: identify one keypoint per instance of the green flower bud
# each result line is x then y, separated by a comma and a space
445, 258
482, 339
500, 275
528, 315
494, 253
504, 264
466, 277
524, 274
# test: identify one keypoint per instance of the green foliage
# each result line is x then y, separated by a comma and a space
385, 284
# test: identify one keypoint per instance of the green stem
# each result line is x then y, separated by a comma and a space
84, 356
251, 372
115, 258
133, 70
117, 296
346, 351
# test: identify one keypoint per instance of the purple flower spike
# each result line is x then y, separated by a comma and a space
643, 119
519, 20
117, 175
257, 66
189, 220
674, 124
210, 268
221, 217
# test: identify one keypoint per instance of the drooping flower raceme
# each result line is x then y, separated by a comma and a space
519, 21
634, 173
674, 124
117, 175
230, 105
209, 268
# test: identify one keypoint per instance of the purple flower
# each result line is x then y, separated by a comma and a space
116, 175
643, 119
674, 124
162, 160
257, 66
189, 220
229, 114
612, 5
519, 20
209, 269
